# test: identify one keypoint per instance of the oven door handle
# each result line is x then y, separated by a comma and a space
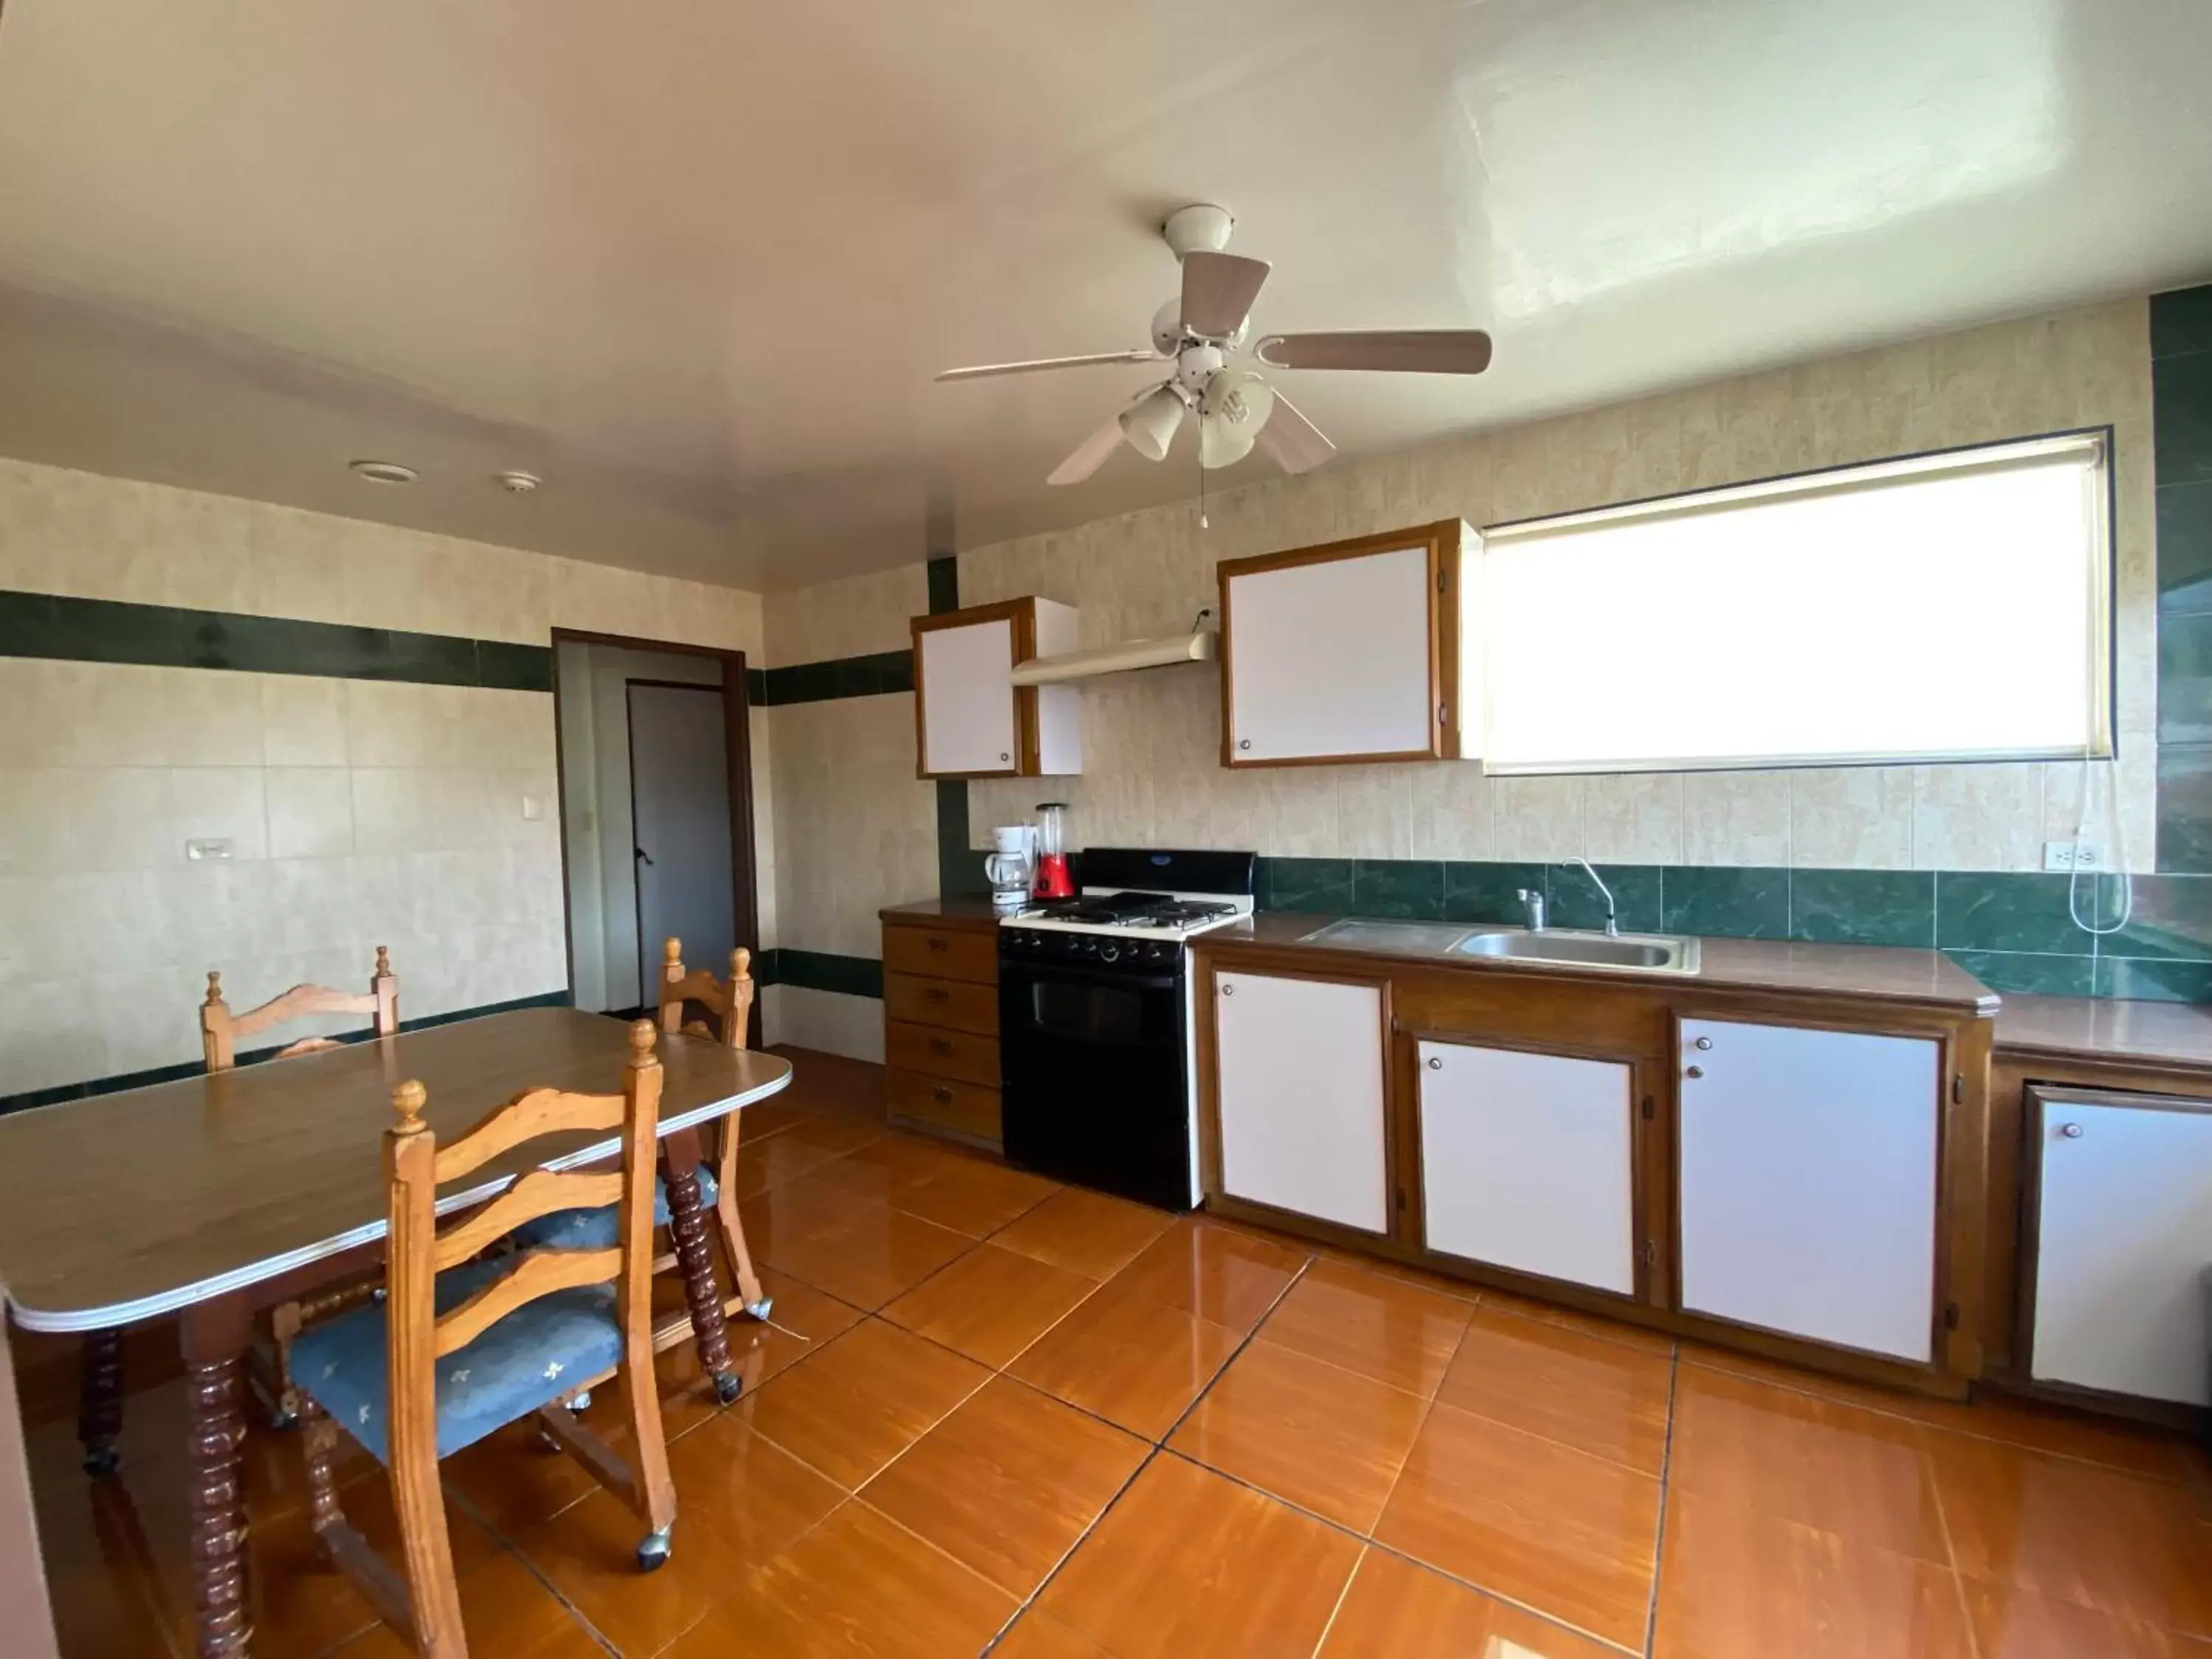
1035, 972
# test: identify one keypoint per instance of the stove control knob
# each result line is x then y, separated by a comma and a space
1109, 953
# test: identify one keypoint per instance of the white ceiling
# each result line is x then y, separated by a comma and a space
697, 262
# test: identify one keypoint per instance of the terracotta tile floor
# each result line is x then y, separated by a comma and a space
992, 1414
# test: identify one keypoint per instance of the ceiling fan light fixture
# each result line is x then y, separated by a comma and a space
1150, 424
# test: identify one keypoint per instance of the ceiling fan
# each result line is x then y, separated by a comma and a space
1237, 409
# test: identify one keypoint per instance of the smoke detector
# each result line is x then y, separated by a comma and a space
515, 482
383, 472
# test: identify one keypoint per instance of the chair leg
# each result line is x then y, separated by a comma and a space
341, 1544
655, 1486
284, 1321
432, 1592
99, 1401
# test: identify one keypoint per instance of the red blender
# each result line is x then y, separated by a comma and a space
1052, 878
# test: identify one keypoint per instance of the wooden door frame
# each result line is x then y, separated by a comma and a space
736, 710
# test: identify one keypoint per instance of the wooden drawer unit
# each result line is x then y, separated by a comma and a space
959, 1004
965, 1108
961, 1055
941, 1020
942, 953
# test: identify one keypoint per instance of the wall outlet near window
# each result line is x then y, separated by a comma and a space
2073, 855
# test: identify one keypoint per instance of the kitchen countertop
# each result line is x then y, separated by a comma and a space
1858, 970
2105, 1027
943, 912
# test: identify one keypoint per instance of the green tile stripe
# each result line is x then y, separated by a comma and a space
873, 675
108, 1085
2011, 931
56, 626
2181, 439
820, 970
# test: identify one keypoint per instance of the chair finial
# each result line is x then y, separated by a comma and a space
643, 1034
383, 962
672, 950
741, 962
215, 988
408, 1100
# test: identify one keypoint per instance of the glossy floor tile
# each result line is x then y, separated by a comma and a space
1599, 1397
991, 1304
1188, 1562
1325, 1439
949, 1438
1008, 1482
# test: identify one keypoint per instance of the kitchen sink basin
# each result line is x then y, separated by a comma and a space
1358, 933
1638, 952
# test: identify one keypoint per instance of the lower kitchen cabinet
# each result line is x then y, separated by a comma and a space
1527, 1162
941, 1022
1808, 1182
1299, 1093
2120, 1242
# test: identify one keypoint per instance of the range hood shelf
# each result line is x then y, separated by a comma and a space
1200, 647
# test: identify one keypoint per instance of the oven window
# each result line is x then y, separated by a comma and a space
1087, 1011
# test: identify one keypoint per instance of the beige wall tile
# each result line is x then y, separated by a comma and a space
310, 811
1987, 817
1851, 817
1634, 817
303, 720
225, 803
1537, 817
1736, 818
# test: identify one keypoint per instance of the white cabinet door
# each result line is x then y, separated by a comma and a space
2124, 1247
1299, 1070
1331, 658
1808, 1182
967, 699
1527, 1162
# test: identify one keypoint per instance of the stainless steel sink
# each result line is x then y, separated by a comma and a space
1647, 953
1358, 933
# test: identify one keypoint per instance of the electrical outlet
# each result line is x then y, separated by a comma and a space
2073, 855
532, 809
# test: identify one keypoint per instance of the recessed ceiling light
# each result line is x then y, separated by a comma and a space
383, 472
517, 483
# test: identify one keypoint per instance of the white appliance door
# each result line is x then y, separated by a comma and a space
1808, 1182
1299, 1066
2123, 1246
1527, 1162
968, 698
1331, 658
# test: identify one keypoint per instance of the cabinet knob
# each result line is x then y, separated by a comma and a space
1243, 742
1004, 755
1228, 990
1693, 1071
1435, 1063
1703, 1043
2069, 1131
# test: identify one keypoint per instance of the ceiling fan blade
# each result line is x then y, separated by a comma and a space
1090, 455
1415, 351
1291, 441
980, 370
1217, 291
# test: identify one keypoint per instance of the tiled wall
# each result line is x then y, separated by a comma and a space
1779, 841
361, 811
2181, 376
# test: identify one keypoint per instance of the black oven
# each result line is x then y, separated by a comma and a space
1097, 1088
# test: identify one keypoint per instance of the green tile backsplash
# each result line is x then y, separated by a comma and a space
2181, 410
2013, 932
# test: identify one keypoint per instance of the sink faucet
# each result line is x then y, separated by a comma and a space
1612, 921
1535, 900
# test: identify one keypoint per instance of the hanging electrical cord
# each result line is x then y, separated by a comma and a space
2127, 891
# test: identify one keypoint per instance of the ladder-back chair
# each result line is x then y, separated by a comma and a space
730, 1008
464, 1343
220, 1031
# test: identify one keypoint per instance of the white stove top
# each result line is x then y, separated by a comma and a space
1158, 921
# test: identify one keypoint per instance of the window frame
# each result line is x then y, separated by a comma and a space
1850, 477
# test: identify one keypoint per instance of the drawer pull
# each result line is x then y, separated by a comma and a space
935, 994
938, 942
943, 1097
939, 1046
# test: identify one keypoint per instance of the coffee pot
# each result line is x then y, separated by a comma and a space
1011, 866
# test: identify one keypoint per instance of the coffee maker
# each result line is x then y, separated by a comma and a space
1011, 866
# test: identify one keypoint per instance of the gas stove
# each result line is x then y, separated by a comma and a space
1181, 895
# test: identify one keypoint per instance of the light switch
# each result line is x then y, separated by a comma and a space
533, 808
214, 848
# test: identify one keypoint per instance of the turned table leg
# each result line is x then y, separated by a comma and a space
100, 1400
215, 1334
687, 1226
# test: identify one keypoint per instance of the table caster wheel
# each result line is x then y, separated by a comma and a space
652, 1552
100, 1461
728, 1386
761, 1309
580, 1404
282, 1418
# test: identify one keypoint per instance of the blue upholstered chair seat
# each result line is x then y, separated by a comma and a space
532, 1357
600, 1229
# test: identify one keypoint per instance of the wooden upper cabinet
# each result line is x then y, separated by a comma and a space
970, 720
1351, 652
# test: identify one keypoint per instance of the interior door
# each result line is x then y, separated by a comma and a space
679, 765
968, 699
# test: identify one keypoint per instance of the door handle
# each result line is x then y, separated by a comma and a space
639, 853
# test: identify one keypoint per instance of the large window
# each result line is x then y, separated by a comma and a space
1947, 607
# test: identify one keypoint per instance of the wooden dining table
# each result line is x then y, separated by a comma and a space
211, 1198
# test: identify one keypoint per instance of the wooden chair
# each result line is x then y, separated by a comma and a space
464, 1343
100, 1412
730, 1007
